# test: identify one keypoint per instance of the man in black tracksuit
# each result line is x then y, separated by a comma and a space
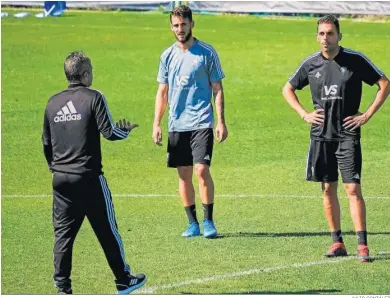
73, 121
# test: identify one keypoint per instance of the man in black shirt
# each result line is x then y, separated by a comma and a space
335, 75
73, 121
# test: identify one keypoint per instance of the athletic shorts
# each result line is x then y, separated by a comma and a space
190, 147
325, 158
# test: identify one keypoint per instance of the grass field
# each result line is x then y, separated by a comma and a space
273, 236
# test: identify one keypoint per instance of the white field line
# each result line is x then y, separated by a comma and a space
151, 290
233, 196
382, 253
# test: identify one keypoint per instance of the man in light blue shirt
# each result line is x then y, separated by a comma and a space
189, 75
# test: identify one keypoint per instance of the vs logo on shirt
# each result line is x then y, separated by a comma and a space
331, 90
182, 80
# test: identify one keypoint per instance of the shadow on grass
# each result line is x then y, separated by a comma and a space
290, 234
309, 292
380, 257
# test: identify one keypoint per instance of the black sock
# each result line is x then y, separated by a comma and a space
191, 213
362, 237
208, 211
337, 237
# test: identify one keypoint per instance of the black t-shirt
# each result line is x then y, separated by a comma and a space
73, 121
336, 87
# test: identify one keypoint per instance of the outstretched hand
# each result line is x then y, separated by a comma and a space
126, 125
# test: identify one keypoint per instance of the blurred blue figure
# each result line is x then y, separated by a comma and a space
54, 8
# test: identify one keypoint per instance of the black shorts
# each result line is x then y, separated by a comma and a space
190, 147
326, 157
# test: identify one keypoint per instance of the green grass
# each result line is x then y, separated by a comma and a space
265, 154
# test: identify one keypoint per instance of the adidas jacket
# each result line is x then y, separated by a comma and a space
73, 121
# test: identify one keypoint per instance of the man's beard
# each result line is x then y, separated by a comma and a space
330, 49
187, 38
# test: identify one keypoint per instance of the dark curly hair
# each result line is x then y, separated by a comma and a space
181, 11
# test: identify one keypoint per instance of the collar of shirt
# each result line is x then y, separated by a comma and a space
75, 85
339, 54
181, 50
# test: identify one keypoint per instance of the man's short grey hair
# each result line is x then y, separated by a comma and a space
74, 65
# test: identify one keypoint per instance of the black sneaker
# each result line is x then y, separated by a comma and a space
64, 291
130, 283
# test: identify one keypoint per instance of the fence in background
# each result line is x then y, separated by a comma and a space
248, 7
